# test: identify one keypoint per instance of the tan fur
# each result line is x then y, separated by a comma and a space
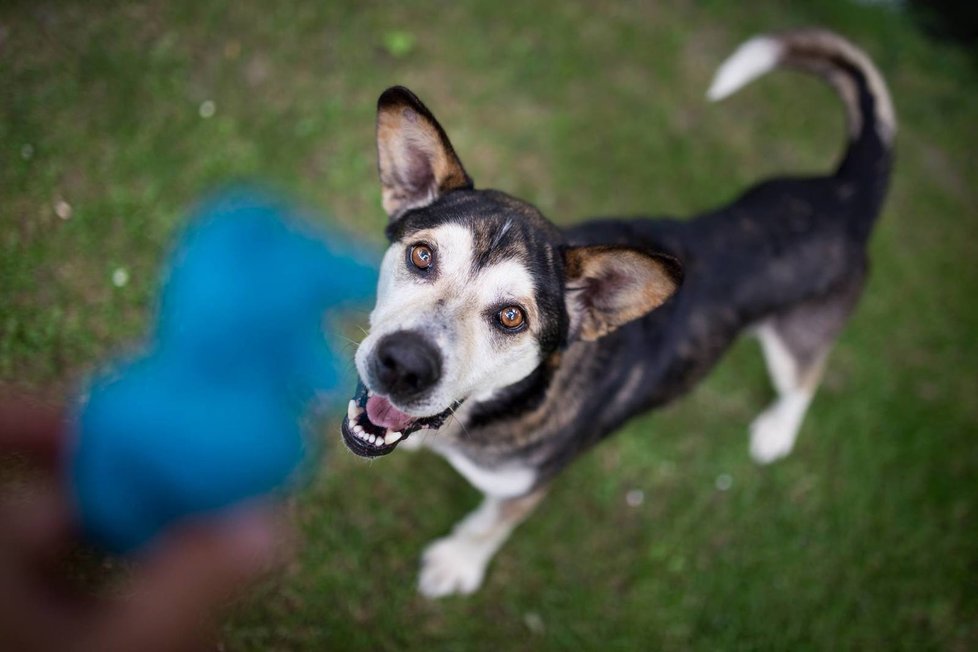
405, 139
637, 284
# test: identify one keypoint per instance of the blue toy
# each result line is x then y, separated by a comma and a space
211, 414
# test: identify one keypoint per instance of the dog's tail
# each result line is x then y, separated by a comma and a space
869, 110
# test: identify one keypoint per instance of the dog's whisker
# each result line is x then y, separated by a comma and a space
350, 340
460, 423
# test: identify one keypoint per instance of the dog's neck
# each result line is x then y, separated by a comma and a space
518, 399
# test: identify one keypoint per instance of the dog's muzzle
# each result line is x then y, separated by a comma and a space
403, 367
374, 427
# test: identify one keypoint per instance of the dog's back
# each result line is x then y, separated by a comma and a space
787, 257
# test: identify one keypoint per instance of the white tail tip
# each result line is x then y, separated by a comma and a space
748, 62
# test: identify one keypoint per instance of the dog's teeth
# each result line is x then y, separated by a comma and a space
352, 411
392, 437
358, 429
371, 439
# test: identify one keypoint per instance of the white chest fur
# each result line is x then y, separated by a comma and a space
500, 482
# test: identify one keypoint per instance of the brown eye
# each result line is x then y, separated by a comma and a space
511, 317
421, 256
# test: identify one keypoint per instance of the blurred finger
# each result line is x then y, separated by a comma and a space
34, 611
30, 619
32, 428
191, 573
35, 522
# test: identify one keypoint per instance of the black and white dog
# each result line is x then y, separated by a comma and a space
540, 342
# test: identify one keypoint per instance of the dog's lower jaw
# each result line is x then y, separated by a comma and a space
356, 440
367, 439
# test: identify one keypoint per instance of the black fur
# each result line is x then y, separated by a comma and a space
785, 248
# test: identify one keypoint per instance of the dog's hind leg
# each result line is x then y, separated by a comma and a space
457, 563
773, 432
795, 346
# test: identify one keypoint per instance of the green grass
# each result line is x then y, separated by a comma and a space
866, 538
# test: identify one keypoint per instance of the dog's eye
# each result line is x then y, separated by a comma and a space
511, 317
421, 256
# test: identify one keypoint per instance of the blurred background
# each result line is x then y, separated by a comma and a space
114, 117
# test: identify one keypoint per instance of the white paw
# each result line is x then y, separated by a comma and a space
772, 434
451, 566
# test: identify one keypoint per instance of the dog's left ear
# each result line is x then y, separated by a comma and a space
608, 286
416, 160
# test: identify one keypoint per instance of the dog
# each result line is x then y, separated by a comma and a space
510, 346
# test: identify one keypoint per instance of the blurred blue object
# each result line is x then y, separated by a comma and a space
211, 414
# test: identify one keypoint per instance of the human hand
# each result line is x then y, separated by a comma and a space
166, 600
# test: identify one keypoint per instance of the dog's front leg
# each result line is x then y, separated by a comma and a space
457, 563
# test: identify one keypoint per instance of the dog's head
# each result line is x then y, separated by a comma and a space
476, 289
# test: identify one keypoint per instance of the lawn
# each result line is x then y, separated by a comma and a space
115, 117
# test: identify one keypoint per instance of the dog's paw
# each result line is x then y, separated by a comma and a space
450, 566
772, 434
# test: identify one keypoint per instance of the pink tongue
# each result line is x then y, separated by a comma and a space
382, 413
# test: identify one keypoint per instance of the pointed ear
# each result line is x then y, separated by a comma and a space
417, 162
608, 286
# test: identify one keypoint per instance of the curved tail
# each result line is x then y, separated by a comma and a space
860, 86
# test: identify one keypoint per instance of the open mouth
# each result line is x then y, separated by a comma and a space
374, 427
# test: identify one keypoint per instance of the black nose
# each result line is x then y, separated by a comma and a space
405, 365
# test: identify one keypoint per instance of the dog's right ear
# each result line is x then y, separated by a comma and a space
609, 286
416, 160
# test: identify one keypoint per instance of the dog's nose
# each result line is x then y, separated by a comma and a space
405, 365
